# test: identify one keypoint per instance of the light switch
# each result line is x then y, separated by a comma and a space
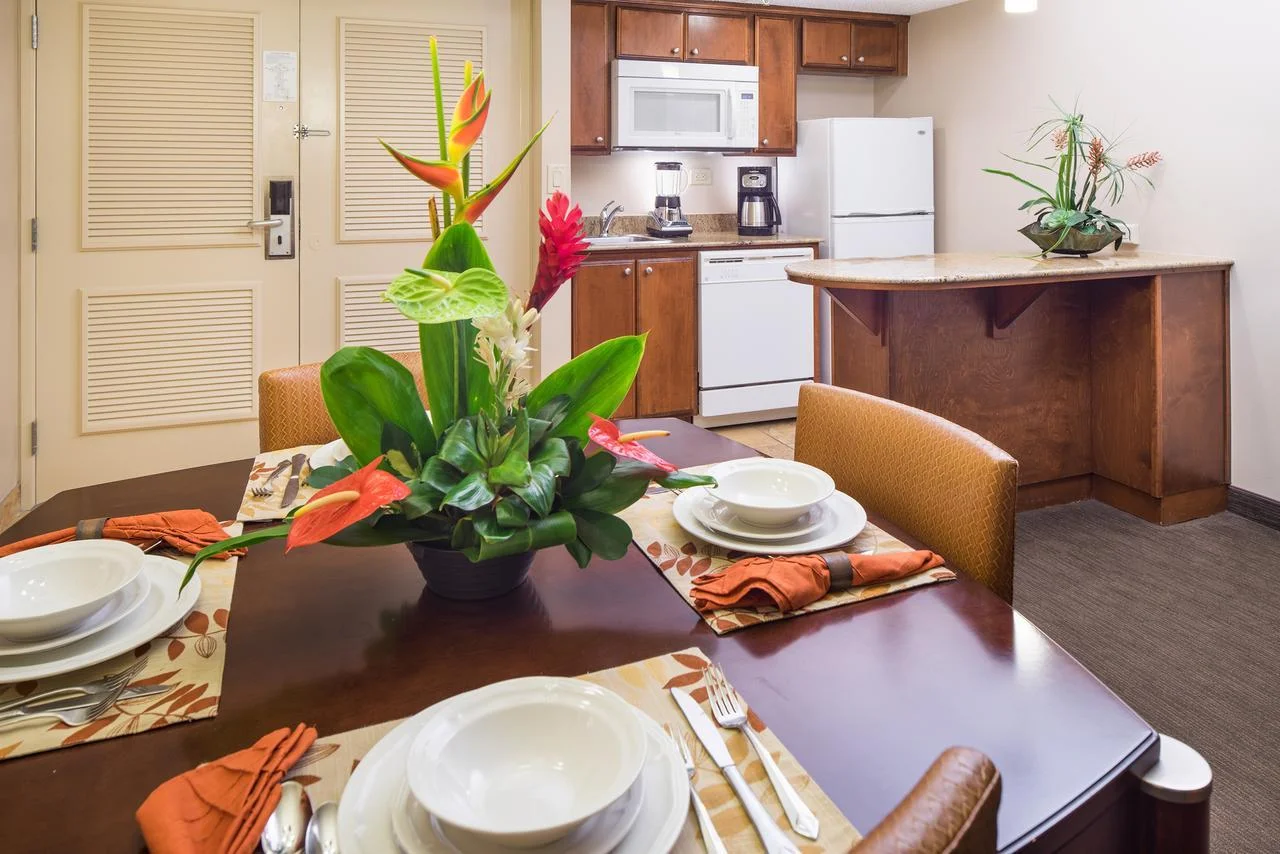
557, 178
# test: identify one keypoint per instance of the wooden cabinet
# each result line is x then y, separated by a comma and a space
859, 45
666, 308
717, 38
825, 43
589, 107
604, 307
875, 46
650, 33
776, 58
630, 296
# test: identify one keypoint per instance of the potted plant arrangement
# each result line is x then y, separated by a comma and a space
497, 469
1085, 171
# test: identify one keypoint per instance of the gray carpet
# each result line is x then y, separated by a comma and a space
1182, 622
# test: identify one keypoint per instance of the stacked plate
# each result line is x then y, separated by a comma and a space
767, 506
555, 764
72, 605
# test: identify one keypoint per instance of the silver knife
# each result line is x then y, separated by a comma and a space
775, 841
295, 474
85, 700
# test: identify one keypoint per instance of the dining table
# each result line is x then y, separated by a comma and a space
865, 696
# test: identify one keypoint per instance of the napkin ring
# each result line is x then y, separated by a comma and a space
90, 529
840, 568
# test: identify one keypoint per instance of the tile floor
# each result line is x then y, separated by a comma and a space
774, 438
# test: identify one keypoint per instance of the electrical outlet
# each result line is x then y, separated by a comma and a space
700, 177
1132, 236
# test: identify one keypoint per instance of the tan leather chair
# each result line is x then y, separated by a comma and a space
952, 810
291, 407
941, 484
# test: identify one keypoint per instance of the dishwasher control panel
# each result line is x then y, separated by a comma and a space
749, 265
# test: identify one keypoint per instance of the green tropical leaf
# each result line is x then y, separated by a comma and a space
401, 453
580, 553
460, 450
594, 471
603, 533
512, 512
423, 498
1041, 190
251, 538
555, 530
440, 475
540, 491
365, 389
554, 454
471, 493
595, 382
613, 496
490, 529
440, 296
326, 475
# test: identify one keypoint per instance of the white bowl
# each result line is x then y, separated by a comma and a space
524, 762
47, 591
770, 493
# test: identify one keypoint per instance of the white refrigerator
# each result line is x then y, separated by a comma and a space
864, 186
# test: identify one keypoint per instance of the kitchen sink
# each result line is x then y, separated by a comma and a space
624, 240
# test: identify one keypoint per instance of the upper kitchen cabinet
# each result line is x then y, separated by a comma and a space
857, 45
589, 110
776, 58
717, 38
649, 34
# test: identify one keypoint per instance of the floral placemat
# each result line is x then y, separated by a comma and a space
255, 509
189, 657
681, 557
327, 766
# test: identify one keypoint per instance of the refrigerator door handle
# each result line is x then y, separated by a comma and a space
876, 215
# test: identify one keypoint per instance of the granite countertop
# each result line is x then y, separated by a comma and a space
973, 269
709, 240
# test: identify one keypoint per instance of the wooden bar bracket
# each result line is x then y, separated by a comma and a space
866, 307
1008, 304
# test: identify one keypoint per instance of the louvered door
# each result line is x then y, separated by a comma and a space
365, 218
157, 308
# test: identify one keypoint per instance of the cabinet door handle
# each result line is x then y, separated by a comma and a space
599, 139
675, 50
694, 52
626, 271
844, 59
764, 141
648, 270
862, 59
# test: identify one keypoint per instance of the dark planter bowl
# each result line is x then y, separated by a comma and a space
450, 574
1075, 243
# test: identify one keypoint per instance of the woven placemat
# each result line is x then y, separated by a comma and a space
327, 766
255, 509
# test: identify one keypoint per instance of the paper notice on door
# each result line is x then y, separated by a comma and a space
279, 75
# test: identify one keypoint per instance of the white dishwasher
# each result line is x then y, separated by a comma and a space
755, 335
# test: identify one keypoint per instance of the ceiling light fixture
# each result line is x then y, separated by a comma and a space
1019, 6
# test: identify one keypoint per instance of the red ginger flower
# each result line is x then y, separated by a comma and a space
344, 503
605, 434
562, 249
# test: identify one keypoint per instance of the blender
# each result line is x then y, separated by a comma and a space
666, 219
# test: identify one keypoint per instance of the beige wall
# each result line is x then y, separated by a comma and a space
822, 96
551, 97
1194, 81
10, 237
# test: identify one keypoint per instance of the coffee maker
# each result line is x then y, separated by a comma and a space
758, 213
666, 219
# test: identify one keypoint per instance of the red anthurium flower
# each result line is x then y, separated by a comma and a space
605, 434
562, 249
437, 173
469, 116
343, 503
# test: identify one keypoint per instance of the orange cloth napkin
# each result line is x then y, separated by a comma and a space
789, 583
188, 531
222, 806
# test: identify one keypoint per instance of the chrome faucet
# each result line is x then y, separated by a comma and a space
610, 210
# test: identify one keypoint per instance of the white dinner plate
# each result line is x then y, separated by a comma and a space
160, 609
374, 792
718, 516
120, 605
844, 520
330, 454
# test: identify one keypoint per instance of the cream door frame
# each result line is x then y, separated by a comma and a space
26, 258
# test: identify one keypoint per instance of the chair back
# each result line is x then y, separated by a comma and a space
291, 406
940, 484
952, 810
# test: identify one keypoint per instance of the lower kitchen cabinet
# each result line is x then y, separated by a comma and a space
630, 296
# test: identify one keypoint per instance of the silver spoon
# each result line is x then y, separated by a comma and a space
288, 821
322, 831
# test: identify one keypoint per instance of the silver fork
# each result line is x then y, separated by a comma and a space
71, 717
732, 714
107, 684
710, 837
265, 489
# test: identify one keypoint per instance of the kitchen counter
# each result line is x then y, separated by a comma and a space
709, 240
1105, 376
984, 269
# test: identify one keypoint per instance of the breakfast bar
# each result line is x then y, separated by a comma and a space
1105, 377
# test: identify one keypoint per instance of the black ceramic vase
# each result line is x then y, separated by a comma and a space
451, 574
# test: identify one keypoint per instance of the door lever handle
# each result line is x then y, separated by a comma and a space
263, 223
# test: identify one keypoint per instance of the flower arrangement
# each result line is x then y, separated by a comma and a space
1085, 169
497, 468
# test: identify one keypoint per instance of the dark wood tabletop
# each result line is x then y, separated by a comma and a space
865, 696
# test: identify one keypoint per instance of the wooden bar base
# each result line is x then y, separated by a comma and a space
1169, 510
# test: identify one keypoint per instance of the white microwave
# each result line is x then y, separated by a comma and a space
685, 105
